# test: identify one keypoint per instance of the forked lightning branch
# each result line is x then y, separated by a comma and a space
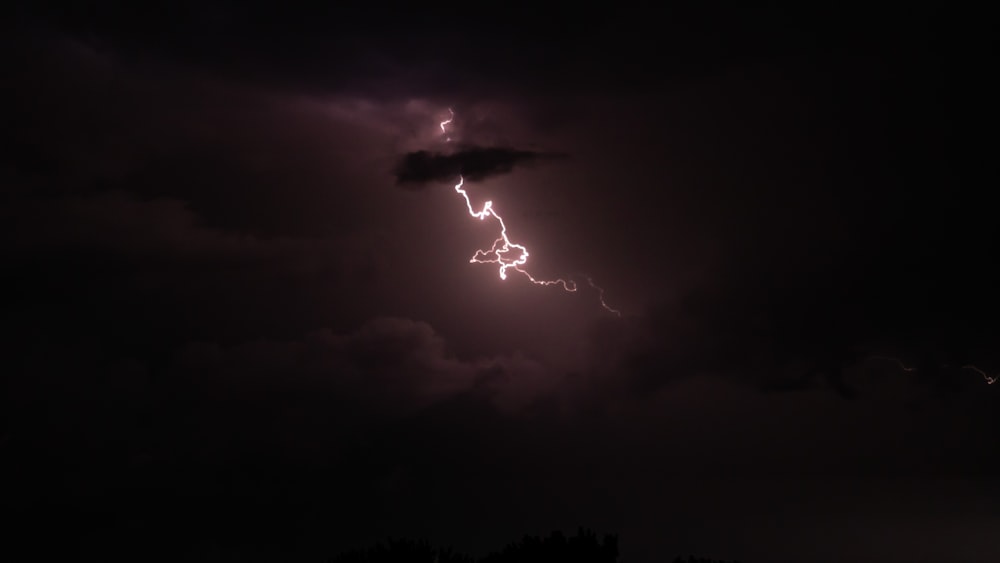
505, 253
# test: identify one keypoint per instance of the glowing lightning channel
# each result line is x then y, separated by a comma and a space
990, 380
896, 361
503, 246
446, 122
507, 254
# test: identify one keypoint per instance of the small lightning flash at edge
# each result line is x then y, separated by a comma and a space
446, 122
502, 246
896, 361
990, 380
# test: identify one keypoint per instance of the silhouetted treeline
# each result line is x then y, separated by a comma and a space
693, 559
403, 551
584, 547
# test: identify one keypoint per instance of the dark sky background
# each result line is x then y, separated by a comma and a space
233, 334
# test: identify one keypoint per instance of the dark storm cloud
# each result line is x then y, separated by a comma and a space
176, 231
389, 367
809, 339
368, 49
385, 371
119, 226
325, 388
473, 163
228, 150
774, 351
329, 413
178, 193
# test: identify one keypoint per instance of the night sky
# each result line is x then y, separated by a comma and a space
241, 322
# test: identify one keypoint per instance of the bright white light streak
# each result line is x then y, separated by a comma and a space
507, 254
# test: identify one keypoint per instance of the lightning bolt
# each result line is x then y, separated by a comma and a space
446, 122
507, 254
896, 361
990, 379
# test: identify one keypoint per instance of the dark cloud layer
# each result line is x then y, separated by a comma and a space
304, 446
473, 163
229, 335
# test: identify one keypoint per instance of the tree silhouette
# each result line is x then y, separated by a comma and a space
693, 559
402, 551
584, 547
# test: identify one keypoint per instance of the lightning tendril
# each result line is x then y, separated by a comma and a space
507, 254
990, 379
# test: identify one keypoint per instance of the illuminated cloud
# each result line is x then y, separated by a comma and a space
473, 163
